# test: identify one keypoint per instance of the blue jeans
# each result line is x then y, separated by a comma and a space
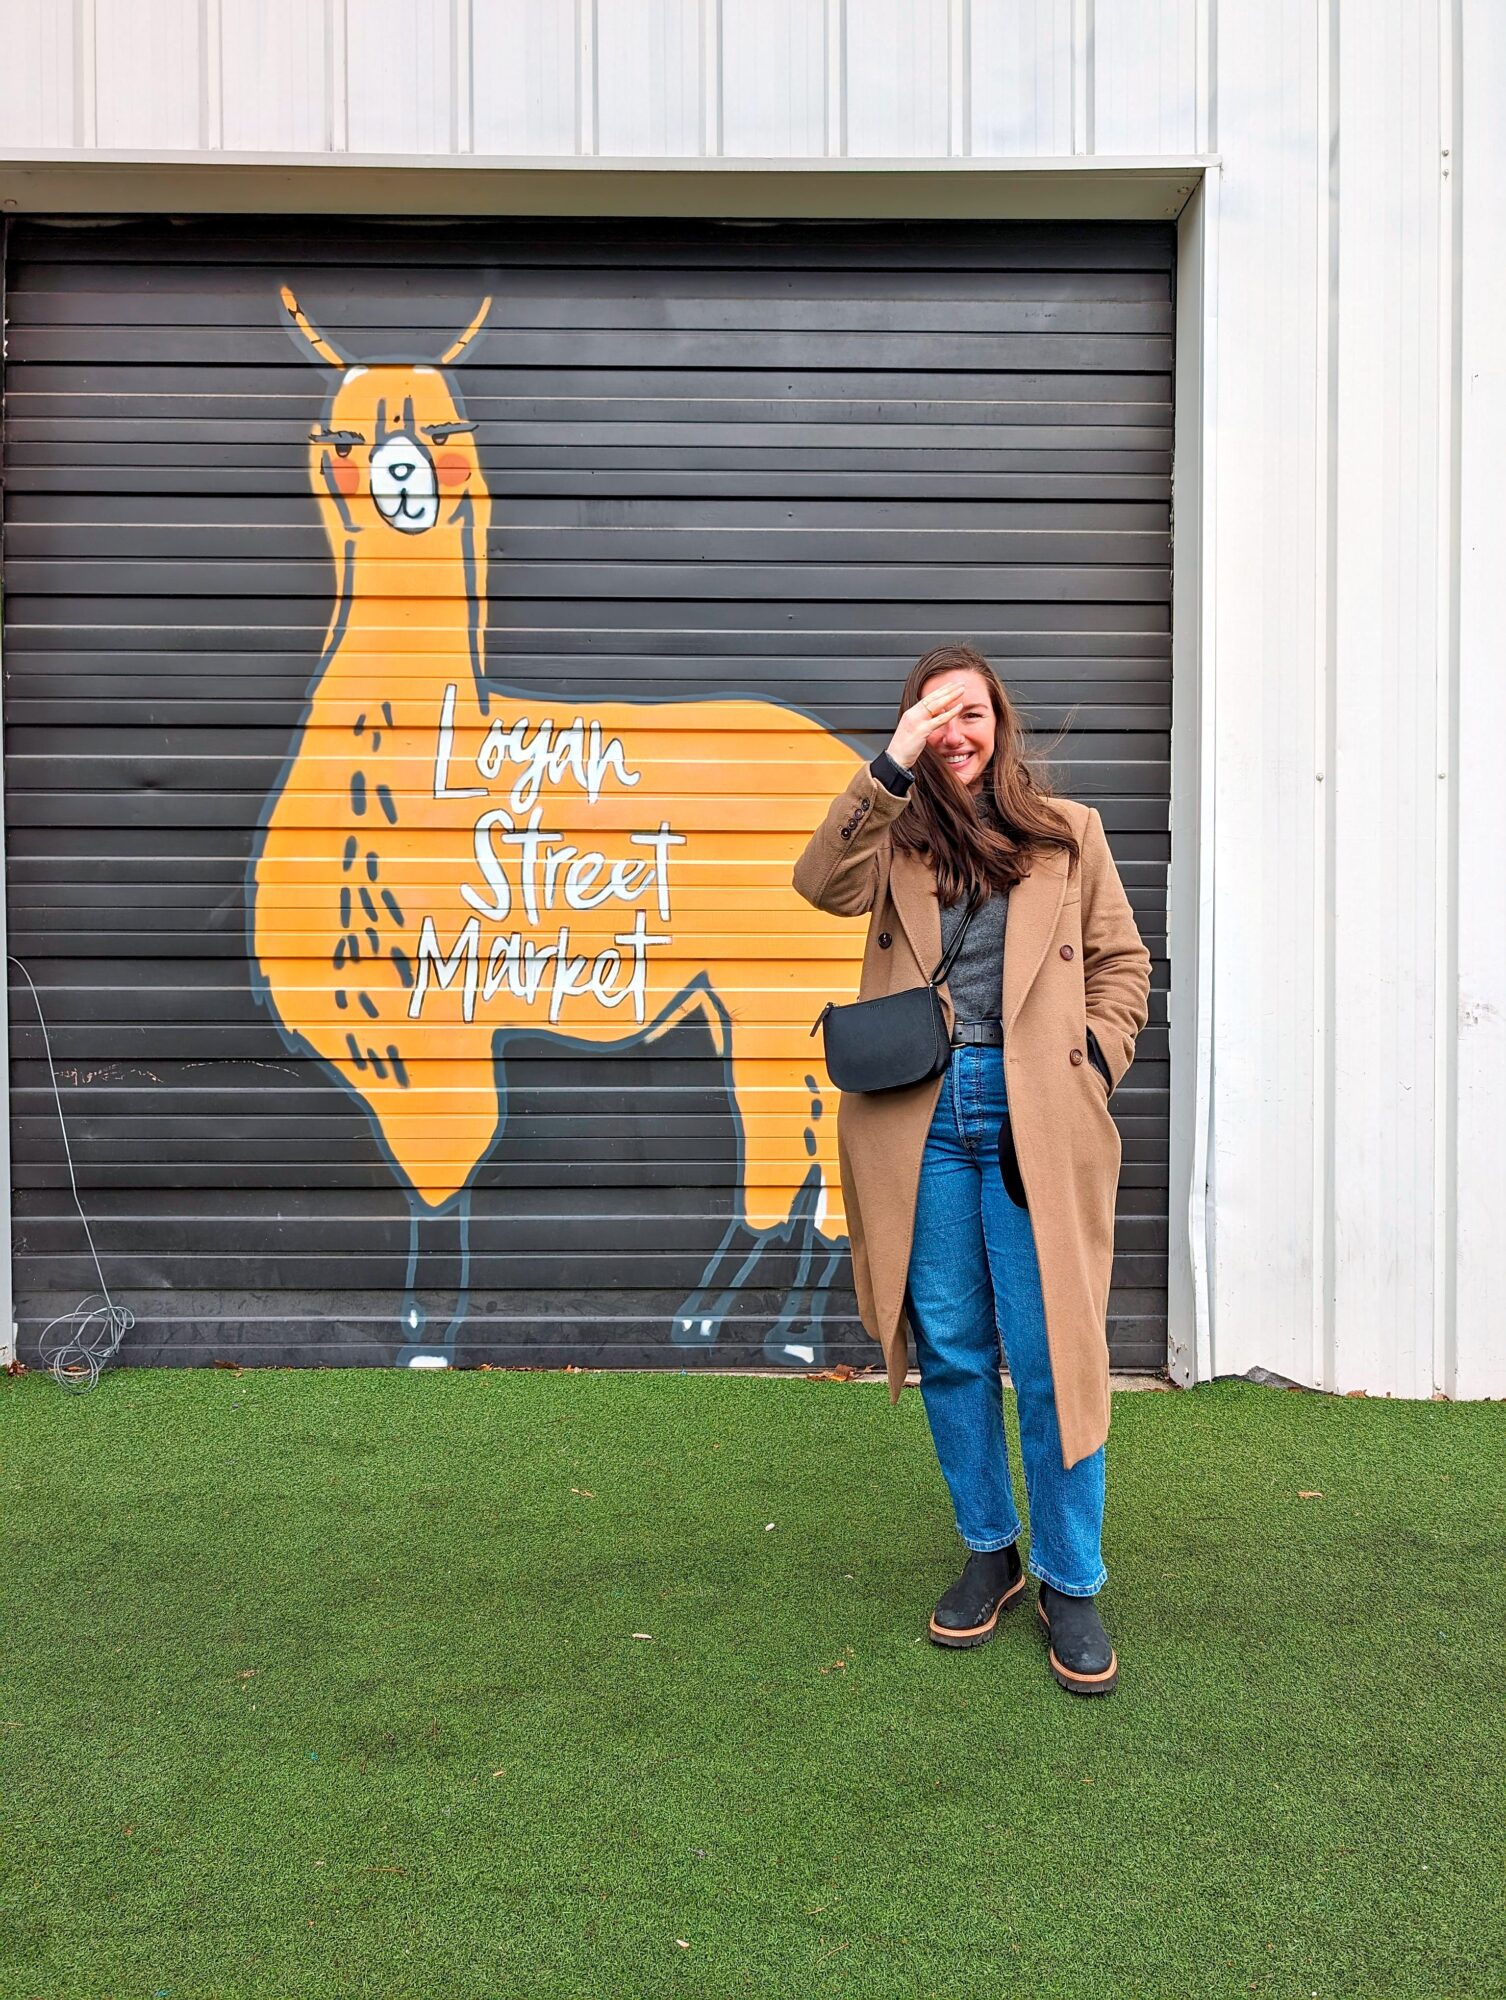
973, 1275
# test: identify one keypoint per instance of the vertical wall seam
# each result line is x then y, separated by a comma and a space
587, 110
710, 24
1083, 77
836, 79
211, 76
1445, 1358
463, 75
1189, 901
337, 74
959, 121
86, 86
1325, 963
1205, 1205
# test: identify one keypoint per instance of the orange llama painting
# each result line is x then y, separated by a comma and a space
445, 863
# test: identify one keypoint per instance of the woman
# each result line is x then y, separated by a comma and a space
983, 1201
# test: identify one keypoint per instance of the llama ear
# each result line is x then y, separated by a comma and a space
309, 332
458, 347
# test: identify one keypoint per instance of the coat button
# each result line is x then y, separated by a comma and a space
1077, 1057
884, 940
1066, 951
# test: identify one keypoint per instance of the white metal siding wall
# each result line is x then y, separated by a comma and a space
623, 79
1354, 419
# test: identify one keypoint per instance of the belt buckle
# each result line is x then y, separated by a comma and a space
983, 1037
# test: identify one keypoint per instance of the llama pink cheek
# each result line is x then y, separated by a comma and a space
347, 477
453, 469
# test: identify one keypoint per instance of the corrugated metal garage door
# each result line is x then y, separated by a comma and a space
742, 474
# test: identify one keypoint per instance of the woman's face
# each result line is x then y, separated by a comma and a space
967, 742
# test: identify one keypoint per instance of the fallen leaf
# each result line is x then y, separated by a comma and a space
641, 1635
767, 1525
683, 1943
246, 1673
1356, 1392
584, 1492
500, 1773
1309, 1493
843, 1372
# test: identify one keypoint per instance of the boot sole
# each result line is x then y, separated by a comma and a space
1075, 1683
976, 1635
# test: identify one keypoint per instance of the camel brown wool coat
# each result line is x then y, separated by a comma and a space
1072, 960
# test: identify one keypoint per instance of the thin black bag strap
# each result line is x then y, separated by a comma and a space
949, 958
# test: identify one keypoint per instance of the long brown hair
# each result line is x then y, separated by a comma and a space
943, 823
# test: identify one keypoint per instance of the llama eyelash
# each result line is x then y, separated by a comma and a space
341, 440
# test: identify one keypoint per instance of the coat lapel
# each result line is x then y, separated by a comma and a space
912, 890
1034, 906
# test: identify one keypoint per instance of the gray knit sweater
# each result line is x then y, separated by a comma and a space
976, 981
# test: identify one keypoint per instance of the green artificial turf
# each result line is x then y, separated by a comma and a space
327, 1683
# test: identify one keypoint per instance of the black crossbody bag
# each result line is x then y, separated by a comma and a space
898, 1040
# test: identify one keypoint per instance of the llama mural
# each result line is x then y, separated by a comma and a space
444, 864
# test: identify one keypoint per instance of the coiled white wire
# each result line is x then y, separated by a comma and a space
76, 1345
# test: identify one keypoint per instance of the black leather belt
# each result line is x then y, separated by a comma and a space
988, 1034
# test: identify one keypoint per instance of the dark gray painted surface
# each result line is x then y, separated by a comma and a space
782, 461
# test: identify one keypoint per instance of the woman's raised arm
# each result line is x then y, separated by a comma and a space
838, 872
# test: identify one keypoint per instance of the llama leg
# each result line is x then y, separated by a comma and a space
697, 1322
770, 1225
797, 1339
439, 1260
812, 1225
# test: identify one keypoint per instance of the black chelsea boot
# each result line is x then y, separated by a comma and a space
968, 1612
1082, 1659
